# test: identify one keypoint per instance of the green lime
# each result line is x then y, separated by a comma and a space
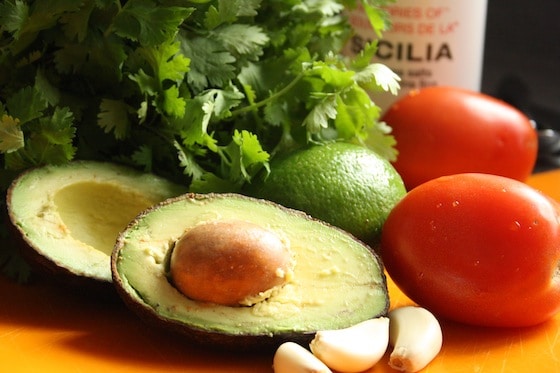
346, 185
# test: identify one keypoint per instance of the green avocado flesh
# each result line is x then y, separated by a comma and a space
69, 216
337, 282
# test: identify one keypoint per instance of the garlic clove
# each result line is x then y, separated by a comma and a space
416, 337
353, 349
291, 357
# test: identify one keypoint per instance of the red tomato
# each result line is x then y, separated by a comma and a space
444, 131
476, 248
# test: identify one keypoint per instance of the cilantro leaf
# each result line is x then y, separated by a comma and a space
172, 103
49, 92
166, 62
211, 65
193, 127
59, 128
39, 150
149, 23
76, 24
228, 11
13, 15
165, 65
11, 135
26, 104
318, 118
245, 157
188, 162
356, 114
377, 16
26, 22
241, 40
377, 77
114, 116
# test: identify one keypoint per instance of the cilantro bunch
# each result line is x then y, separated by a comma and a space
204, 92
206, 89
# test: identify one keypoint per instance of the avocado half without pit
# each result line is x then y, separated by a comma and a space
68, 216
235, 272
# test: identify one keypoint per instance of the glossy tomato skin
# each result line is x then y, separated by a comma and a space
478, 249
445, 130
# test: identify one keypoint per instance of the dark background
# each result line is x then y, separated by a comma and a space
523, 40
522, 66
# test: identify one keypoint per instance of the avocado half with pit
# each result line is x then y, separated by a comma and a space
68, 216
335, 280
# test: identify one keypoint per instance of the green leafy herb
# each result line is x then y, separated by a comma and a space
205, 92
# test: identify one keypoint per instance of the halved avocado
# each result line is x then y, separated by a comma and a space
337, 280
69, 216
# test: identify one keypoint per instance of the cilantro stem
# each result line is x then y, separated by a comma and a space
270, 98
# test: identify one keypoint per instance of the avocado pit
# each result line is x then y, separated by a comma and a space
230, 263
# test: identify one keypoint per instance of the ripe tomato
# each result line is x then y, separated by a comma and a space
476, 248
445, 130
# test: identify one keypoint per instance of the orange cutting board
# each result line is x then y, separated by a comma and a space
44, 328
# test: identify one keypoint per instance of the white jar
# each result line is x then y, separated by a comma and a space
431, 42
